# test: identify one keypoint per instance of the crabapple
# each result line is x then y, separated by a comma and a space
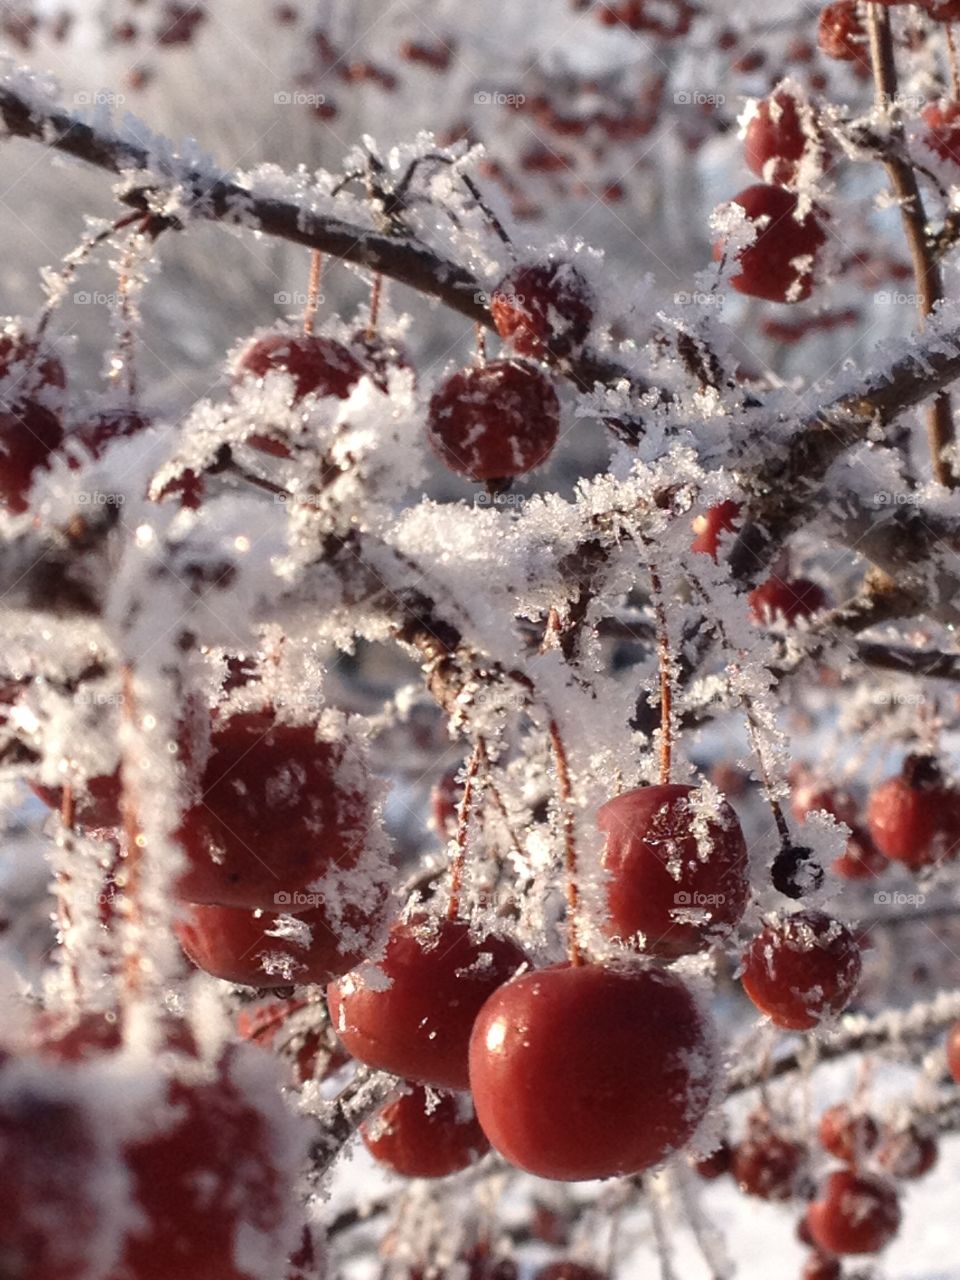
914, 817
908, 1153
801, 969
569, 1271
583, 1071
717, 520
257, 949
791, 599
496, 420
779, 136
423, 1135
854, 1213
676, 875
277, 808
96, 801
716, 1164
840, 32
287, 1028
861, 859
767, 1164
100, 430
848, 1134
942, 134
419, 1026
29, 434
544, 309
778, 264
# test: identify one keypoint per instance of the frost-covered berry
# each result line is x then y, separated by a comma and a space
544, 309
779, 136
96, 801
767, 1164
942, 134
419, 1026
318, 366
908, 1152
861, 859
676, 876
29, 434
584, 1072
716, 1164
721, 518
277, 809
426, 1135
567, 1270
295, 1030
914, 817
256, 949
809, 794
801, 969
779, 264
841, 33
854, 1213
100, 430
789, 599
847, 1133
27, 368
496, 420
821, 1266
380, 356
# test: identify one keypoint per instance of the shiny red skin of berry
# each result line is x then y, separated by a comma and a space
767, 267
319, 366
656, 879
29, 434
569, 1271
841, 34
775, 141
545, 310
419, 1027
99, 432
808, 795
419, 1137
802, 969
493, 421
953, 1051
276, 1027
96, 805
908, 1153
913, 823
861, 859
582, 1072
232, 944
33, 368
722, 517
847, 1134
789, 599
821, 1266
942, 134
854, 1213
276, 810
768, 1165
716, 1164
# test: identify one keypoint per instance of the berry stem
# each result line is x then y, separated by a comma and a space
376, 294
77, 257
132, 854
64, 914
570, 844
666, 686
952, 60
125, 333
463, 824
313, 292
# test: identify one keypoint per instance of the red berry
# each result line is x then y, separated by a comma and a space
778, 265
29, 434
721, 518
380, 356
496, 420
444, 799
425, 1135
584, 1072
841, 34
908, 1153
435, 56
821, 1266
767, 1164
242, 946
809, 795
942, 134
26, 367
790, 599
676, 874
779, 137
855, 1213
295, 1030
801, 969
716, 1164
569, 1271
96, 802
178, 22
861, 859
318, 366
848, 1134
277, 810
914, 817
953, 1051
545, 310
944, 11
419, 1027
100, 431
